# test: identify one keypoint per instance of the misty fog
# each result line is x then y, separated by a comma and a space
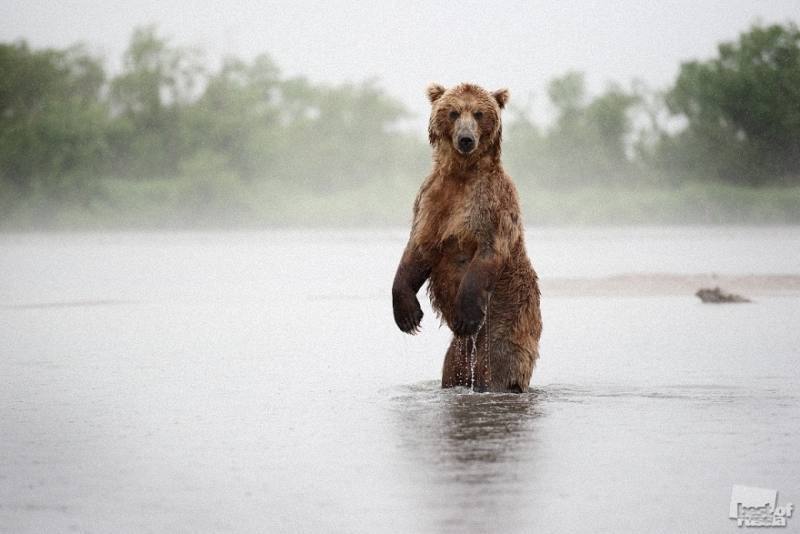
315, 115
203, 204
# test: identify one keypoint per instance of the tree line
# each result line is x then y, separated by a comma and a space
71, 133
732, 119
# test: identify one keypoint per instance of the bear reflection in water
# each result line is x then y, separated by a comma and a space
469, 456
455, 426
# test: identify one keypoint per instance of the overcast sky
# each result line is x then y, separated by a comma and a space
407, 44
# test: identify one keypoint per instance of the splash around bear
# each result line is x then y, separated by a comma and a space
467, 240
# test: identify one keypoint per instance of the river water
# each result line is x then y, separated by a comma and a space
255, 382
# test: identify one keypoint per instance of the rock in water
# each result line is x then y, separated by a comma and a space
717, 296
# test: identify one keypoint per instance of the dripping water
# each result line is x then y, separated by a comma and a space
462, 344
487, 351
473, 357
460, 352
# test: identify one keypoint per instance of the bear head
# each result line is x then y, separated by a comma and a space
465, 119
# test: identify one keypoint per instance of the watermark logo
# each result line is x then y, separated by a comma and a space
758, 507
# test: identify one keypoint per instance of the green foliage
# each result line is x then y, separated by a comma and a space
206, 144
568, 94
743, 110
52, 120
585, 145
150, 99
169, 141
238, 117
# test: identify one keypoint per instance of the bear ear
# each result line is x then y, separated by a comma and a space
501, 95
435, 91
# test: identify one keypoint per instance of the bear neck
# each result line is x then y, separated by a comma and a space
452, 165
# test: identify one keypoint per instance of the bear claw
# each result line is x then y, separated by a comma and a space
408, 320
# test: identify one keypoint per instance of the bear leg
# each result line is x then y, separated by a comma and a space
511, 365
457, 370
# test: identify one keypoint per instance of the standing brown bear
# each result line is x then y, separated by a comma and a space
467, 237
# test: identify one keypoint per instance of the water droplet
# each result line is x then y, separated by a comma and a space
473, 357
487, 360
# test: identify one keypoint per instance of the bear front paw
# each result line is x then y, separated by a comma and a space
407, 314
468, 319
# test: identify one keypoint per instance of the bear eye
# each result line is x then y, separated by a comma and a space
478, 115
454, 115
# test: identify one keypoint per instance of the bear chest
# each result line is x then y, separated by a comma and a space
447, 216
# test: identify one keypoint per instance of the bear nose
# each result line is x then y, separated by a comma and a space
465, 143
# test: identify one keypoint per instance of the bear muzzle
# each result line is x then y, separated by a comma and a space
465, 135
466, 144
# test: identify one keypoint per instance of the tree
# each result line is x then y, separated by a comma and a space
608, 118
742, 109
52, 119
587, 143
238, 116
148, 97
339, 137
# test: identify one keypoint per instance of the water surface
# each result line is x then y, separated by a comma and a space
241, 382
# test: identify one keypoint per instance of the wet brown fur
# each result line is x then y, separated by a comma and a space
467, 240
